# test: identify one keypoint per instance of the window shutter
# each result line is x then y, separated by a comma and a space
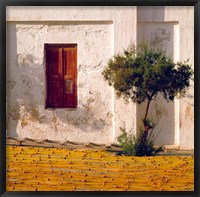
54, 77
70, 76
61, 75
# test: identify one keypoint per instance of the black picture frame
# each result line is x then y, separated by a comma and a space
5, 3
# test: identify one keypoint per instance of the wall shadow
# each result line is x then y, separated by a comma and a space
12, 109
150, 13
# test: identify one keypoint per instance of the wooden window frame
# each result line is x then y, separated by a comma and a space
63, 46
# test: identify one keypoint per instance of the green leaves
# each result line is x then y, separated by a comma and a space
133, 145
141, 73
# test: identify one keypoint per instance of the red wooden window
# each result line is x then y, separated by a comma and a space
61, 75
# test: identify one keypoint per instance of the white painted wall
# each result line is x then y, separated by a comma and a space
173, 27
94, 31
100, 32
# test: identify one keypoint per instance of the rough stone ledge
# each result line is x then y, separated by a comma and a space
168, 150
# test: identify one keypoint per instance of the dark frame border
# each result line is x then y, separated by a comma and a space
4, 3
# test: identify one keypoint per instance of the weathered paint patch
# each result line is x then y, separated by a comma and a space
188, 112
11, 84
35, 116
23, 123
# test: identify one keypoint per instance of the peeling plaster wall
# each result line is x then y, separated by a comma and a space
94, 112
100, 32
94, 31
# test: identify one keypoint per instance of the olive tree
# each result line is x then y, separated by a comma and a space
139, 74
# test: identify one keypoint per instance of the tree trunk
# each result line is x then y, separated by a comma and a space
147, 109
147, 127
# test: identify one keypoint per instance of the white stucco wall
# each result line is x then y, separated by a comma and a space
173, 27
100, 32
